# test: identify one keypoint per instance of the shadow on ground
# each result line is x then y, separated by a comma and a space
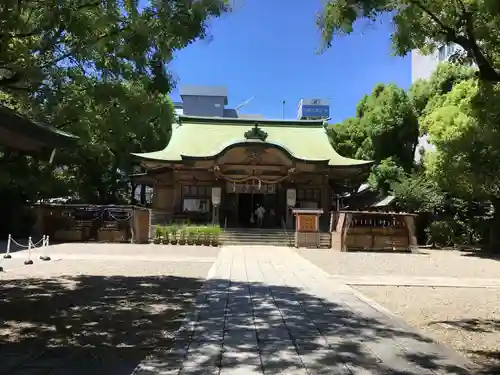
489, 359
107, 325
480, 253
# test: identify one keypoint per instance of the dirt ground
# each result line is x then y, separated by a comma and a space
95, 315
466, 318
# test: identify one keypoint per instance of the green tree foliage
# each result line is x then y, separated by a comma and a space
122, 118
120, 39
425, 24
418, 193
385, 130
95, 69
385, 174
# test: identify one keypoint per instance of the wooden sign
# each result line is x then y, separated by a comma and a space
307, 223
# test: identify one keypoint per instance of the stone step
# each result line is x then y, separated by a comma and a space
269, 237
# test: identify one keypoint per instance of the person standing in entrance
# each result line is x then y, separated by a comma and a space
260, 212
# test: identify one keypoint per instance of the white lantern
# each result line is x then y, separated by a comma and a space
291, 197
216, 195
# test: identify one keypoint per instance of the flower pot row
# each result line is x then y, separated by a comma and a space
187, 235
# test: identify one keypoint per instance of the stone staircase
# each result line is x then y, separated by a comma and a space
269, 237
256, 236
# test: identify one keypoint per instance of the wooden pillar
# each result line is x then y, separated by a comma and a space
163, 198
344, 232
326, 195
410, 227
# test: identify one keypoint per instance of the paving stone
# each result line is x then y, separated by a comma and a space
203, 354
11, 361
241, 370
273, 334
199, 371
153, 371
270, 306
235, 357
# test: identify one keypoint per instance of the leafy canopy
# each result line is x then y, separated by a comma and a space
105, 39
425, 24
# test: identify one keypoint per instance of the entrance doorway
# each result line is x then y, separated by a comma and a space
247, 204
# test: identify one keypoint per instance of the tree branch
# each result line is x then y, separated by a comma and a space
486, 70
468, 43
448, 31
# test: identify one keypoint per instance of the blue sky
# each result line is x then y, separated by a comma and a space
267, 48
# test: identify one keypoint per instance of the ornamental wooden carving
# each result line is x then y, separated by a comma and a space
256, 133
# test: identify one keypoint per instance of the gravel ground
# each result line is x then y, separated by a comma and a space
430, 264
467, 320
92, 312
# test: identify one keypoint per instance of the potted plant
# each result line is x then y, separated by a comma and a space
191, 235
198, 236
165, 236
158, 235
182, 235
206, 234
216, 231
173, 234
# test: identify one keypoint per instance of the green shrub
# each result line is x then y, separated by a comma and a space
440, 233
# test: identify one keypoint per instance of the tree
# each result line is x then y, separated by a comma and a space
391, 125
119, 118
41, 39
385, 130
419, 193
425, 24
463, 126
97, 70
385, 174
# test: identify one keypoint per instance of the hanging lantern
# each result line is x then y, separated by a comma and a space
234, 187
260, 184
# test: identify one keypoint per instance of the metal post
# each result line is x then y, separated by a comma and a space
29, 261
45, 248
7, 253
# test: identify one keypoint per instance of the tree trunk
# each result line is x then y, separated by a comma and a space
494, 240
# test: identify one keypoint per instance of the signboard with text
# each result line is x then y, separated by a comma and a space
317, 111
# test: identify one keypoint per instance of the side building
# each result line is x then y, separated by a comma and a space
20, 134
245, 163
422, 66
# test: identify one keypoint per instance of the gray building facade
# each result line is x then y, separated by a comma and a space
422, 66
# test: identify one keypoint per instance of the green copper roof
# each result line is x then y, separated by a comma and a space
202, 137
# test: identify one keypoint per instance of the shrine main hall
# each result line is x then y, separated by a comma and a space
217, 169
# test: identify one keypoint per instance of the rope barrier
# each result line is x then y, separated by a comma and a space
42, 244
117, 219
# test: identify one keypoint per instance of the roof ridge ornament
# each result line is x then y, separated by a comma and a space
256, 133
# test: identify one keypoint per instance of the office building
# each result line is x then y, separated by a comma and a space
422, 66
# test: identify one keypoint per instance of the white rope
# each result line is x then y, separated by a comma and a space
21, 245
42, 242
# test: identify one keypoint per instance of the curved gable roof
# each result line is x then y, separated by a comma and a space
200, 137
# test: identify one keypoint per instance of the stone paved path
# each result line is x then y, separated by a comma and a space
268, 310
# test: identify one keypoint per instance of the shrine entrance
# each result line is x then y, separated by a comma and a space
243, 199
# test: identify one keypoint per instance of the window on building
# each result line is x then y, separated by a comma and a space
308, 198
451, 50
196, 198
442, 53
193, 191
